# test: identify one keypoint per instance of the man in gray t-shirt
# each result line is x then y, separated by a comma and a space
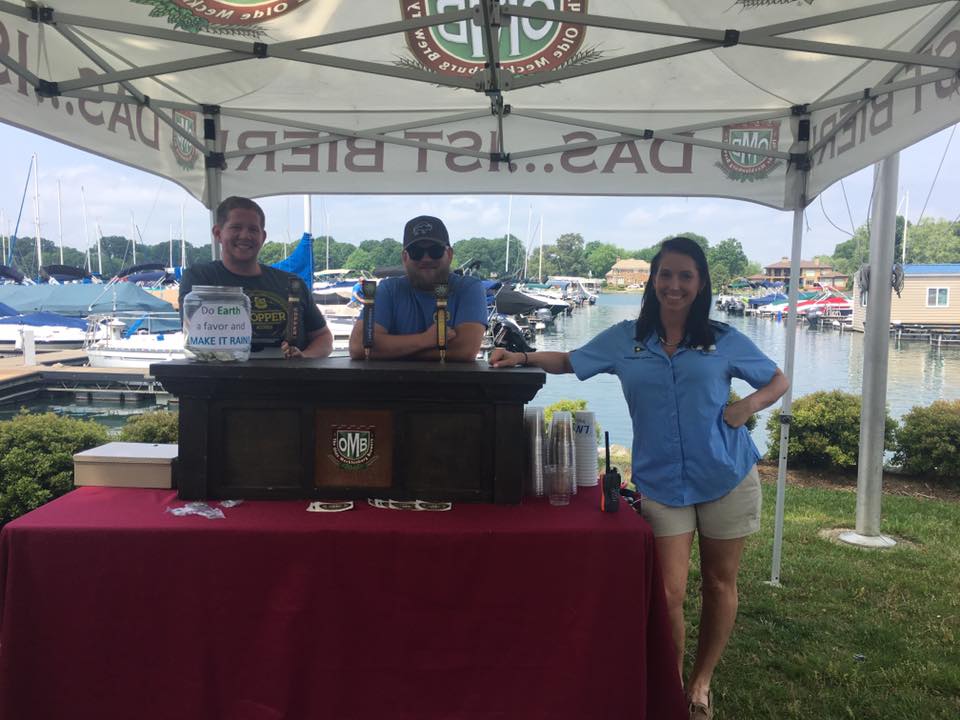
240, 233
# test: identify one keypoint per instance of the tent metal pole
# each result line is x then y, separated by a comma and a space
876, 347
787, 401
214, 166
308, 214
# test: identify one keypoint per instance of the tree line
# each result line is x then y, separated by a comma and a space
932, 240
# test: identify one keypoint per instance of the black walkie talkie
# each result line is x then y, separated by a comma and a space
610, 499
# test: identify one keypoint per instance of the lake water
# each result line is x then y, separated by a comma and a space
825, 360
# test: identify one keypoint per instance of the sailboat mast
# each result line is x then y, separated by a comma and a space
540, 272
308, 215
99, 251
133, 236
170, 239
36, 211
59, 221
526, 244
506, 262
325, 231
86, 233
906, 218
183, 241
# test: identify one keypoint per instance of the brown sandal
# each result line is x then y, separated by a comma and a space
699, 711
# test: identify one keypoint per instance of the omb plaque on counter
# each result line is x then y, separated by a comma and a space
354, 448
343, 429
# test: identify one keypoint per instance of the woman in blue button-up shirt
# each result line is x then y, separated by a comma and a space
693, 459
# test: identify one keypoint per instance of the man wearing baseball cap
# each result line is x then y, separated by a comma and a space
405, 308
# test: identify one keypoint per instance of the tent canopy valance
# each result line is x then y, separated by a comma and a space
665, 97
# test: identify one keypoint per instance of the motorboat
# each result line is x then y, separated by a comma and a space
132, 346
129, 345
51, 331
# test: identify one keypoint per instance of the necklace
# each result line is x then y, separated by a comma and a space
669, 344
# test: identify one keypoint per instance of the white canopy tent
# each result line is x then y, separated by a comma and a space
769, 101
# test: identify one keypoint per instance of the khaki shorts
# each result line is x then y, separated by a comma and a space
735, 515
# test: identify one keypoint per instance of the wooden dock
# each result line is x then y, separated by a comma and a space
66, 372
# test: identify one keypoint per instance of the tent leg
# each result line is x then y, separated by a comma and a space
211, 134
787, 401
876, 344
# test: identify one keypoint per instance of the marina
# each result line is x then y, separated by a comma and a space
921, 368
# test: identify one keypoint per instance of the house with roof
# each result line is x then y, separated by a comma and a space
628, 272
812, 273
930, 297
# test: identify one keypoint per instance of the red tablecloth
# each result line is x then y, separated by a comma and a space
113, 608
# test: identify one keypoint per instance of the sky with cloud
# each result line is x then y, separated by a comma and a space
117, 196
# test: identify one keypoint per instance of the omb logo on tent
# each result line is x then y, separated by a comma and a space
185, 153
221, 16
744, 165
526, 44
353, 447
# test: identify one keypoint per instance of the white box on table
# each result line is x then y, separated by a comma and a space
126, 464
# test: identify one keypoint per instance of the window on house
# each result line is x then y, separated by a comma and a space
938, 297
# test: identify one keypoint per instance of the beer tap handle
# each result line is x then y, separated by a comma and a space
369, 290
294, 333
440, 318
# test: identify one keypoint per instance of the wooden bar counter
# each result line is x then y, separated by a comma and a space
339, 429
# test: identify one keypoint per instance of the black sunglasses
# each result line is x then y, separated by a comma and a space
416, 252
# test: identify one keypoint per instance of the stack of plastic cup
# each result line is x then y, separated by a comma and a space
561, 448
585, 442
533, 428
560, 484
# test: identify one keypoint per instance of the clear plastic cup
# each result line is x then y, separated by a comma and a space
559, 482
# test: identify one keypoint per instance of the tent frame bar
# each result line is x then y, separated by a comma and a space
888, 78
489, 15
491, 18
135, 95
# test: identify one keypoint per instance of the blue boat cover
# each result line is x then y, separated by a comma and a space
153, 325
768, 299
7, 310
40, 319
82, 300
300, 261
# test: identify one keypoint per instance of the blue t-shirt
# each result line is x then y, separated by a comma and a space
401, 310
683, 451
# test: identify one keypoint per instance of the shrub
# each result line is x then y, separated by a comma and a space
751, 423
570, 406
159, 426
928, 441
825, 431
36, 459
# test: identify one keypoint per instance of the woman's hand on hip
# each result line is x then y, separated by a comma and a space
737, 413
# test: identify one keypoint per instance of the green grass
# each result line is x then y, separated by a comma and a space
794, 652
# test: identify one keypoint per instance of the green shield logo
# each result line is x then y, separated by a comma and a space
744, 164
526, 44
353, 448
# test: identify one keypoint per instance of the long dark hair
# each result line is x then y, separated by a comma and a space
698, 331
